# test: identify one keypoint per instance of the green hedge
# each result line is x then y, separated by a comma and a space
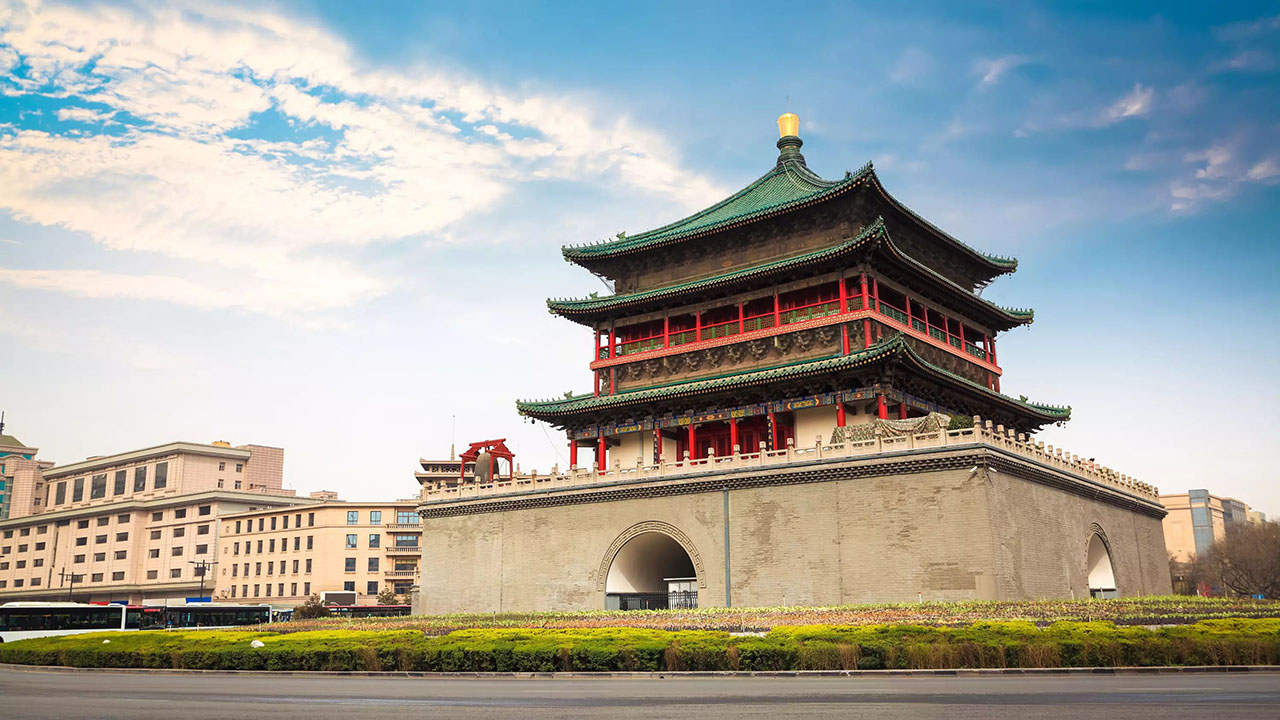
810, 647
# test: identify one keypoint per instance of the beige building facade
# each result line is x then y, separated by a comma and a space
284, 555
1197, 519
21, 478
138, 526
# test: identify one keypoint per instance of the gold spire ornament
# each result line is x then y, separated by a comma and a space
788, 125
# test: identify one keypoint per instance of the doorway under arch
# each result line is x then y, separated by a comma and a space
1102, 576
651, 571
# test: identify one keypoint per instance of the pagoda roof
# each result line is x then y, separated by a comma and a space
890, 348
790, 185
585, 310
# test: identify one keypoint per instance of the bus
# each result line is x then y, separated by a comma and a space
21, 620
364, 611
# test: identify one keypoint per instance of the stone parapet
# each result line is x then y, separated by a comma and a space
982, 433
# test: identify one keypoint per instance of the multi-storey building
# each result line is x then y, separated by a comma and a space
21, 483
284, 555
136, 526
1198, 519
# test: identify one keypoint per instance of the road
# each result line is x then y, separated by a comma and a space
31, 694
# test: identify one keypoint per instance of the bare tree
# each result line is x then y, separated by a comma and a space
1246, 561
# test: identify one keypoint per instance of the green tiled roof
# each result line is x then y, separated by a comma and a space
875, 231
10, 441
788, 185
896, 344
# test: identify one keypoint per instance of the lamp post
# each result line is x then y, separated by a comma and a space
72, 576
201, 567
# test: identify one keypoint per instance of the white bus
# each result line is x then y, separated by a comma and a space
20, 620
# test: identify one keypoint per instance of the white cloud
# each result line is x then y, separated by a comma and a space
1217, 161
380, 155
1135, 103
992, 70
1264, 170
913, 64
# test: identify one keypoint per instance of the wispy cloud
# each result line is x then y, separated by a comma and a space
1135, 103
911, 65
377, 155
1221, 169
993, 70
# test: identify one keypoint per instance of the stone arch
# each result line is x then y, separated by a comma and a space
1100, 574
642, 528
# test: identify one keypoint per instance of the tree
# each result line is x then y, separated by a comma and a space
1246, 561
312, 608
388, 597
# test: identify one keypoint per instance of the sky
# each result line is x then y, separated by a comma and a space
332, 227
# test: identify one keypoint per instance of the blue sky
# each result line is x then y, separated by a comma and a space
331, 226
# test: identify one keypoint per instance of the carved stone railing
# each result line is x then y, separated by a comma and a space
982, 432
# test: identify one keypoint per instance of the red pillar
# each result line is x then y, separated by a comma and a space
693, 443
866, 333
773, 425
697, 326
875, 287
844, 296
741, 324
908, 301
657, 439
839, 413
613, 341
866, 304
882, 409
613, 378
991, 351
666, 332
596, 356
573, 454
844, 338
777, 313
602, 453
902, 411
733, 433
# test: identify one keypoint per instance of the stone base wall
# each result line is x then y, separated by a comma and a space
946, 534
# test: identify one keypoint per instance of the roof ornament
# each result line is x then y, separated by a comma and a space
789, 139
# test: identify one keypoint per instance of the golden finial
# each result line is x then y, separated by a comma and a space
788, 125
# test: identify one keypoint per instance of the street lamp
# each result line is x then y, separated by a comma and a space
73, 577
201, 567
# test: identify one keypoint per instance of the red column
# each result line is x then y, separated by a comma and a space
961, 332
573, 453
602, 453
613, 341
596, 356
844, 296
875, 287
866, 304
657, 438
741, 312
839, 413
777, 314
844, 338
902, 411
613, 378
908, 300
666, 332
697, 326
773, 425
991, 351
733, 433
882, 409
693, 443
866, 333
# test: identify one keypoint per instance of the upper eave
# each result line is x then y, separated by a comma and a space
588, 310
895, 346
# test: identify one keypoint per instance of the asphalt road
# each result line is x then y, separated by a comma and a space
29, 694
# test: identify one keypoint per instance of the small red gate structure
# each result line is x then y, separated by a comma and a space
495, 449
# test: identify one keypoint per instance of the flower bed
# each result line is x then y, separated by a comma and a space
1168, 610
812, 647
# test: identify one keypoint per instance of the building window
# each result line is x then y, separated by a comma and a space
311, 519
297, 543
155, 534
121, 554
259, 547
255, 589
233, 587
153, 574
95, 577
351, 541
38, 562
406, 541
375, 541
293, 589
82, 524
122, 519
375, 517
235, 548
353, 517
237, 527
21, 564
271, 545
239, 467
373, 564
118, 486
122, 537
179, 532
295, 567
140, 479
308, 566
157, 516
22, 548
175, 573
271, 568
99, 539
310, 538
82, 541
406, 517
77, 490
246, 569
78, 559
60, 494
161, 477
235, 570
205, 509
222, 465
202, 530
402, 588
268, 589
306, 589
406, 565
179, 513
257, 570
284, 522
177, 551
45, 528
104, 521
237, 484
351, 565
98, 487
153, 553
202, 549
99, 557
297, 520
349, 586
117, 576
260, 524
372, 588
281, 567
17, 583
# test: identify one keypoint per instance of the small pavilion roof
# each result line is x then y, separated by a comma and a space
896, 346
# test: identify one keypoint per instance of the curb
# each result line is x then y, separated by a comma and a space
957, 672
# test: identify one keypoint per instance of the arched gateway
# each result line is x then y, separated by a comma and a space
651, 566
1102, 576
